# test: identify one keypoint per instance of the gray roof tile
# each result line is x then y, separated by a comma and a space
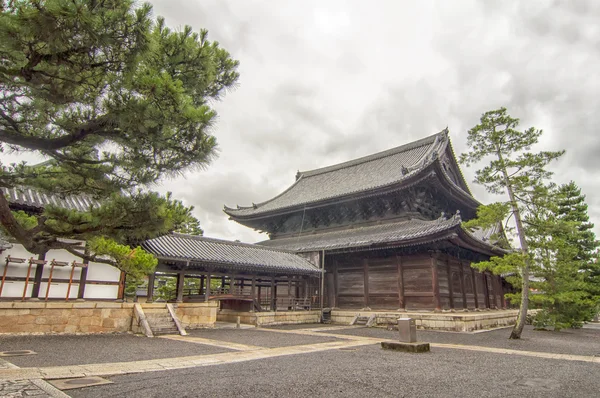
32, 198
358, 175
401, 231
236, 255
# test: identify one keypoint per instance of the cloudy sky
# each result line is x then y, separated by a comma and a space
327, 81
324, 82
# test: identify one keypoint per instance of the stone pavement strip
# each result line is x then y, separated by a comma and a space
27, 388
215, 343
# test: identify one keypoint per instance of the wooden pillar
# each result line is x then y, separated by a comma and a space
366, 281
82, 280
401, 299
37, 278
474, 287
336, 284
503, 299
232, 284
201, 285
207, 290
486, 290
121, 292
180, 285
462, 285
450, 282
150, 293
272, 293
253, 287
435, 283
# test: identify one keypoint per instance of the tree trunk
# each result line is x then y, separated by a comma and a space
521, 318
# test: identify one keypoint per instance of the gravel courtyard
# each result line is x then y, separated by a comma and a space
312, 360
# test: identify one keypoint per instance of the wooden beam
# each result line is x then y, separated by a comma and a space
201, 285
150, 293
366, 281
435, 283
474, 286
401, 298
180, 285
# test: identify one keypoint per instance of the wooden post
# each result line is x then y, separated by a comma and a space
232, 284
336, 284
52, 264
366, 281
201, 285
401, 299
82, 280
180, 285
71, 281
37, 278
150, 294
462, 285
272, 293
435, 283
207, 290
222, 284
503, 299
474, 287
121, 292
4, 274
27, 278
450, 284
486, 290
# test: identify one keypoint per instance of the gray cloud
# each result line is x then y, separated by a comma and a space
324, 82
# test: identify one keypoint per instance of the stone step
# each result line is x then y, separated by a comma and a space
172, 330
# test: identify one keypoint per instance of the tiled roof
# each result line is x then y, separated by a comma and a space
31, 198
402, 231
242, 256
371, 172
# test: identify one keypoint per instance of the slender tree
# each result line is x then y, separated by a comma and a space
513, 171
112, 101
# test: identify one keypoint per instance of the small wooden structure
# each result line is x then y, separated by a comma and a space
388, 229
251, 277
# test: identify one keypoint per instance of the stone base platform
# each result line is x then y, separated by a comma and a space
447, 321
270, 318
405, 347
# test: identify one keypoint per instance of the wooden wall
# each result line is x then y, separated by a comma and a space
414, 282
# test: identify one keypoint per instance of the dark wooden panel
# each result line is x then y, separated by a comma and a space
383, 280
419, 303
351, 302
443, 281
417, 280
350, 282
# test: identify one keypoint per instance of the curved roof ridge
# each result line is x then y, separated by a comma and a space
374, 156
223, 241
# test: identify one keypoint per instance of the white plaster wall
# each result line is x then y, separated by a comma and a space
96, 272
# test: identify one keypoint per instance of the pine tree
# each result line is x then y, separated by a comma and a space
513, 171
113, 101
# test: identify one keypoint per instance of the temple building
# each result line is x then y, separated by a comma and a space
387, 230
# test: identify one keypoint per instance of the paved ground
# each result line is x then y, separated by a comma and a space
77, 350
318, 360
260, 338
573, 341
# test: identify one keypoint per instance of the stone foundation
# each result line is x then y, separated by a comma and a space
92, 317
448, 321
270, 318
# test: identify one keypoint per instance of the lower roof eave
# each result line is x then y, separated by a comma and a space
188, 264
